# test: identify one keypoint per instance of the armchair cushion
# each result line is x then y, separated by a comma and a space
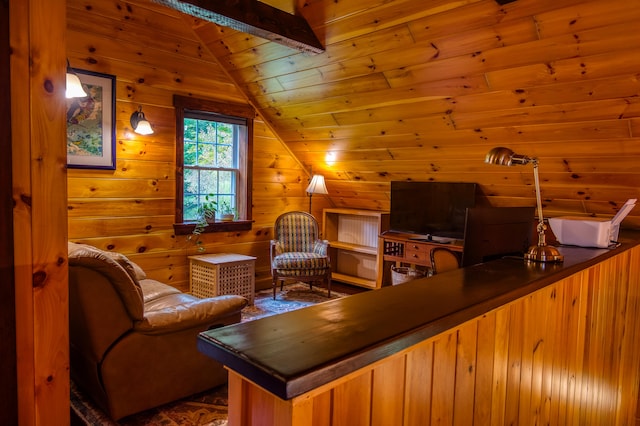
303, 261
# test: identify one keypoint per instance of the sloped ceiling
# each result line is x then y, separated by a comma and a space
421, 90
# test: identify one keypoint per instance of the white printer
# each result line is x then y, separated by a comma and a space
590, 232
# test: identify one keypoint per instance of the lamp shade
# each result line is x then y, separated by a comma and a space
502, 156
74, 87
317, 186
140, 124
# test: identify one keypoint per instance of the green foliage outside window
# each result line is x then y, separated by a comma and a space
210, 165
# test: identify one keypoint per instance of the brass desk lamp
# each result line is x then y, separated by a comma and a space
540, 252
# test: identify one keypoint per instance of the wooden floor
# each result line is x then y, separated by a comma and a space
345, 288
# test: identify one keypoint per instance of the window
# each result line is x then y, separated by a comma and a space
210, 162
213, 156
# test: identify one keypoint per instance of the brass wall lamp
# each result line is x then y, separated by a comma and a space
541, 252
140, 123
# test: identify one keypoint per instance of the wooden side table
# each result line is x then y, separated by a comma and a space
222, 273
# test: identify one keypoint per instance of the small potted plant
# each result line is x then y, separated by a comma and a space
207, 210
227, 212
206, 215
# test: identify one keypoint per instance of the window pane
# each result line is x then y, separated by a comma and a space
190, 182
206, 155
206, 131
208, 182
190, 208
226, 204
225, 156
227, 183
190, 129
190, 151
225, 133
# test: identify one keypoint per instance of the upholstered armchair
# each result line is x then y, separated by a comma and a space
133, 340
297, 252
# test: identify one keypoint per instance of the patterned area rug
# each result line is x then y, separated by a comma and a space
292, 297
208, 408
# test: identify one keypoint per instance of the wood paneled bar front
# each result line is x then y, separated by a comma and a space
504, 342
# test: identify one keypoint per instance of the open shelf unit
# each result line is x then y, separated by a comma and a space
353, 244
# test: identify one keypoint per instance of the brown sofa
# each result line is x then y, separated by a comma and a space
133, 339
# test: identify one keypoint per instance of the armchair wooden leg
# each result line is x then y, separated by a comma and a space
273, 284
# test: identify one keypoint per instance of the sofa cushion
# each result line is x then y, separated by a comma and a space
182, 310
132, 268
128, 289
152, 290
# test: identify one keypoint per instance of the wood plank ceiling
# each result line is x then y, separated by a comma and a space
421, 90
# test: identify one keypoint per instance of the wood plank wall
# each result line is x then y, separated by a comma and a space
154, 55
39, 212
564, 355
412, 90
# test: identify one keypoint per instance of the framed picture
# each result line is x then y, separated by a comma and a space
91, 123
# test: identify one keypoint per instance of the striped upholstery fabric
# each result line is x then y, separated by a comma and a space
297, 252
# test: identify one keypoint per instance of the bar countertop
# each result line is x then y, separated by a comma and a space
292, 353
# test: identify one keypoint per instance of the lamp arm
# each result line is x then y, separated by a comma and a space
541, 226
536, 180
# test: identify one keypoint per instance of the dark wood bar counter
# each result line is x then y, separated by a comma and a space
304, 351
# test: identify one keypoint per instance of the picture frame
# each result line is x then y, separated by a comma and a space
91, 123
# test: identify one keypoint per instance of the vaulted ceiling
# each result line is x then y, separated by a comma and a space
421, 90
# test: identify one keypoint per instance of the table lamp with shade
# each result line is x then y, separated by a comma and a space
506, 157
316, 186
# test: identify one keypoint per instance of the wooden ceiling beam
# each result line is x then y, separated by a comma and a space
255, 18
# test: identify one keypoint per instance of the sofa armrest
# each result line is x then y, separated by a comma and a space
183, 311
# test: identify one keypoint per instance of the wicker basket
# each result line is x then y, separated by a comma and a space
217, 274
402, 274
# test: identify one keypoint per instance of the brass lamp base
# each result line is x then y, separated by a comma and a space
543, 253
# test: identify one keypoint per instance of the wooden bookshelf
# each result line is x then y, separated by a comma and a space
353, 244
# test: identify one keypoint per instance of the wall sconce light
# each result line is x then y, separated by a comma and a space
330, 158
541, 252
316, 186
74, 87
140, 124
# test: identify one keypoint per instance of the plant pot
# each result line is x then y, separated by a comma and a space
227, 217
